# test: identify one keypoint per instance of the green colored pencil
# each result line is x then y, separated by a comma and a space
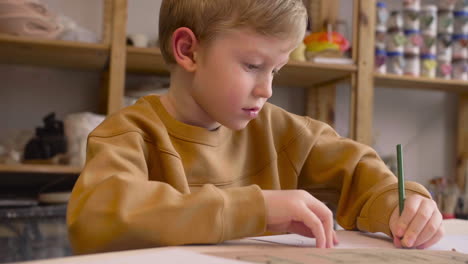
401, 179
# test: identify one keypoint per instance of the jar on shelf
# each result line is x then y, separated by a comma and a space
460, 22
429, 44
413, 41
460, 69
461, 5
428, 20
412, 4
447, 4
444, 47
428, 65
380, 63
445, 22
396, 40
396, 19
380, 38
444, 70
460, 46
395, 62
412, 66
382, 14
411, 19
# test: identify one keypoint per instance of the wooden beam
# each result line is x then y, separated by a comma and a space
321, 100
321, 103
462, 142
362, 91
115, 78
107, 22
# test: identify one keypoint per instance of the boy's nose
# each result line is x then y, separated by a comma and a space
264, 89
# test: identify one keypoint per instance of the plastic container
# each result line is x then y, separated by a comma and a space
382, 14
31, 233
428, 20
395, 62
447, 4
444, 70
411, 19
428, 65
460, 46
460, 22
413, 41
461, 5
412, 4
445, 22
380, 39
396, 40
395, 20
460, 69
380, 61
429, 44
412, 65
444, 47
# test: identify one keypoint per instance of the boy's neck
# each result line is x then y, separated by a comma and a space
181, 105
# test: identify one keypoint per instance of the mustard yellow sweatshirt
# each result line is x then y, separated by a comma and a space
150, 180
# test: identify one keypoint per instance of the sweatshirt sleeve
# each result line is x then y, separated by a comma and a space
114, 205
351, 175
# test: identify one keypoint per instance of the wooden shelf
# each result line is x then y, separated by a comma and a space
53, 53
300, 74
399, 81
45, 169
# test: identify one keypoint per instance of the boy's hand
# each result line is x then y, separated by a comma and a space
420, 224
297, 211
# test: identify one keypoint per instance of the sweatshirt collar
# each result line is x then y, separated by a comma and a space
187, 132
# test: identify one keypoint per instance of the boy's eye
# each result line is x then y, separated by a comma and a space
252, 66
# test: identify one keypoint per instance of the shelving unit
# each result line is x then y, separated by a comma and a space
392, 80
53, 53
36, 168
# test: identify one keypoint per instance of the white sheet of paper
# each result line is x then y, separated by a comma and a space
357, 239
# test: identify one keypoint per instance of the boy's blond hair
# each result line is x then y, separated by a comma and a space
206, 18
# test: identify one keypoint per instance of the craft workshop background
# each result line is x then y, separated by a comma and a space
406, 84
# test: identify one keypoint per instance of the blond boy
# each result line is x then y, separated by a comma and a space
212, 161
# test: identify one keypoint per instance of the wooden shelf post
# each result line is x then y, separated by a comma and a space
362, 90
115, 77
462, 141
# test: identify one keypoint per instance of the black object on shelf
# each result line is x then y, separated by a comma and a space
48, 142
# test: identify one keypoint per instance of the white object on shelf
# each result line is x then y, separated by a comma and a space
428, 20
77, 128
460, 22
445, 22
326, 60
395, 62
411, 19
412, 64
460, 46
428, 65
412, 5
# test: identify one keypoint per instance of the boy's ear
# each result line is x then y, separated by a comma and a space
184, 47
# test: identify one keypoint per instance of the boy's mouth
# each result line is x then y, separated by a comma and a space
252, 112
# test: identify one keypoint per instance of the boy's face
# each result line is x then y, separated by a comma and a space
234, 74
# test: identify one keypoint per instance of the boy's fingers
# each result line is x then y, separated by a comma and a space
326, 217
397, 242
335, 238
422, 217
431, 228
411, 208
315, 225
434, 239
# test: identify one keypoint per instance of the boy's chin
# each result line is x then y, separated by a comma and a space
237, 125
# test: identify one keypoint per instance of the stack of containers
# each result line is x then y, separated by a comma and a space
395, 43
381, 32
413, 42
428, 22
445, 27
460, 41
